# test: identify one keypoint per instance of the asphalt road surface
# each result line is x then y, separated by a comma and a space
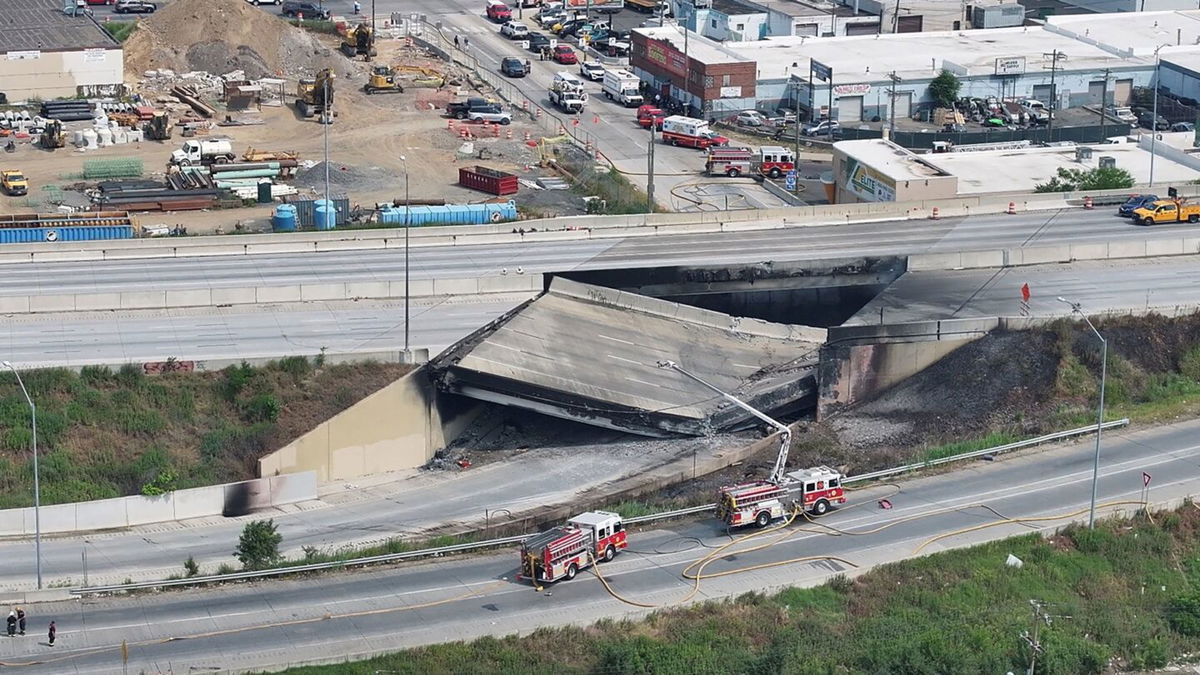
357, 614
898, 237
1102, 285
266, 331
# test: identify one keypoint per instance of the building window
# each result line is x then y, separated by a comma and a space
741, 26
725, 80
713, 22
708, 81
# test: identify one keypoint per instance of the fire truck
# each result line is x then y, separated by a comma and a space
566, 549
769, 160
760, 502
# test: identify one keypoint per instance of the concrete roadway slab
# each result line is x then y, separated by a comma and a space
1163, 284
329, 618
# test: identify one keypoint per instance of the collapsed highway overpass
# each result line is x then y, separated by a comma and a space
591, 354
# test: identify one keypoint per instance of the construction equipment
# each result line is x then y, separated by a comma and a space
52, 135
359, 41
566, 92
203, 152
383, 81
13, 183
255, 155
158, 127
314, 96
1167, 211
564, 550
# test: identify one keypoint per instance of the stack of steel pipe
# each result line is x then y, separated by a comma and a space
67, 111
151, 196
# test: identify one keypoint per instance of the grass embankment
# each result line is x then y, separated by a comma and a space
120, 30
108, 434
1123, 597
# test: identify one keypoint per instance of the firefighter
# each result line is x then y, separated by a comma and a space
21, 620
53, 633
12, 623
357, 8
456, 42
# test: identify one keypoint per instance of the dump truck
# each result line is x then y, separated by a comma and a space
561, 552
1167, 211
314, 96
198, 152
13, 183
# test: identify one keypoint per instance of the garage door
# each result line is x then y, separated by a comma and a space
1096, 92
904, 104
1123, 92
1042, 93
862, 28
850, 109
910, 24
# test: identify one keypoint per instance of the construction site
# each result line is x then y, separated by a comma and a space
213, 135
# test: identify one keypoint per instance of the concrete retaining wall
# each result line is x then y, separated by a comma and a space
231, 499
398, 427
416, 356
1054, 254
214, 297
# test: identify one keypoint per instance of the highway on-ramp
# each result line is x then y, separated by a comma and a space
359, 613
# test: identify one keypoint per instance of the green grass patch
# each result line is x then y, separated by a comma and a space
120, 30
618, 194
324, 27
1129, 600
105, 433
992, 440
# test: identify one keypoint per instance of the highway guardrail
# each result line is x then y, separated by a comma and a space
516, 539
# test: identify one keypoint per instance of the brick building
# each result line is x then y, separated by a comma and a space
710, 80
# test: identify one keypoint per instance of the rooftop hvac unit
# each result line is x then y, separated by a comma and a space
998, 16
1108, 162
1083, 154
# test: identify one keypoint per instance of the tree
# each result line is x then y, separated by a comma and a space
1075, 180
944, 89
258, 545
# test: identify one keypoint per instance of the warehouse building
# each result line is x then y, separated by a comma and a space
49, 53
1077, 60
877, 170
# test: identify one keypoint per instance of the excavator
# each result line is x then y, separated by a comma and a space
359, 41
314, 96
52, 135
383, 81
158, 128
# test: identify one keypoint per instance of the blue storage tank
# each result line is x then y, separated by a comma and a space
452, 214
35, 235
284, 219
325, 214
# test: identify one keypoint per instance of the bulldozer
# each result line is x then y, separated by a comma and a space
359, 41
158, 128
383, 81
314, 96
52, 135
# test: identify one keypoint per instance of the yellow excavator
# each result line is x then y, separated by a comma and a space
314, 96
359, 41
52, 135
383, 81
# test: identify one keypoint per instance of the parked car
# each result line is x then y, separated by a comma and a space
1147, 120
547, 18
822, 128
513, 67
592, 70
459, 109
537, 41
1124, 114
309, 10
514, 30
564, 54
1183, 126
489, 114
750, 118
134, 7
1134, 203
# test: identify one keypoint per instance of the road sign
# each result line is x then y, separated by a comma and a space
790, 182
791, 175
51, 235
821, 71
1145, 479
1025, 292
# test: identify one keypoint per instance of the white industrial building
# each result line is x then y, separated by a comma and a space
49, 53
1082, 59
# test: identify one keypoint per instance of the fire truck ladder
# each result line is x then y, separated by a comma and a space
785, 434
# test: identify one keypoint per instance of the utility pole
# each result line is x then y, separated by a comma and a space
1054, 57
372, 43
892, 106
1104, 106
896, 18
1040, 616
650, 170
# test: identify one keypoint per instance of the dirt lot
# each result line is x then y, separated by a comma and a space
366, 141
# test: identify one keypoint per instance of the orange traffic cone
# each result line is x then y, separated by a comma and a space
934, 215
1012, 208
1087, 202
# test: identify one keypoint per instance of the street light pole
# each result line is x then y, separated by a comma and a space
407, 222
785, 433
1077, 309
37, 486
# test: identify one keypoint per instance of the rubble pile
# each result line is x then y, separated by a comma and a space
220, 36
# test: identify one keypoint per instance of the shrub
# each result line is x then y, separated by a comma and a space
130, 376
190, 568
261, 408
1184, 615
259, 544
296, 366
95, 375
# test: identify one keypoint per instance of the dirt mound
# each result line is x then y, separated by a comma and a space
219, 36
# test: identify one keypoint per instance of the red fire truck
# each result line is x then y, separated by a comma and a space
563, 551
760, 502
769, 160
